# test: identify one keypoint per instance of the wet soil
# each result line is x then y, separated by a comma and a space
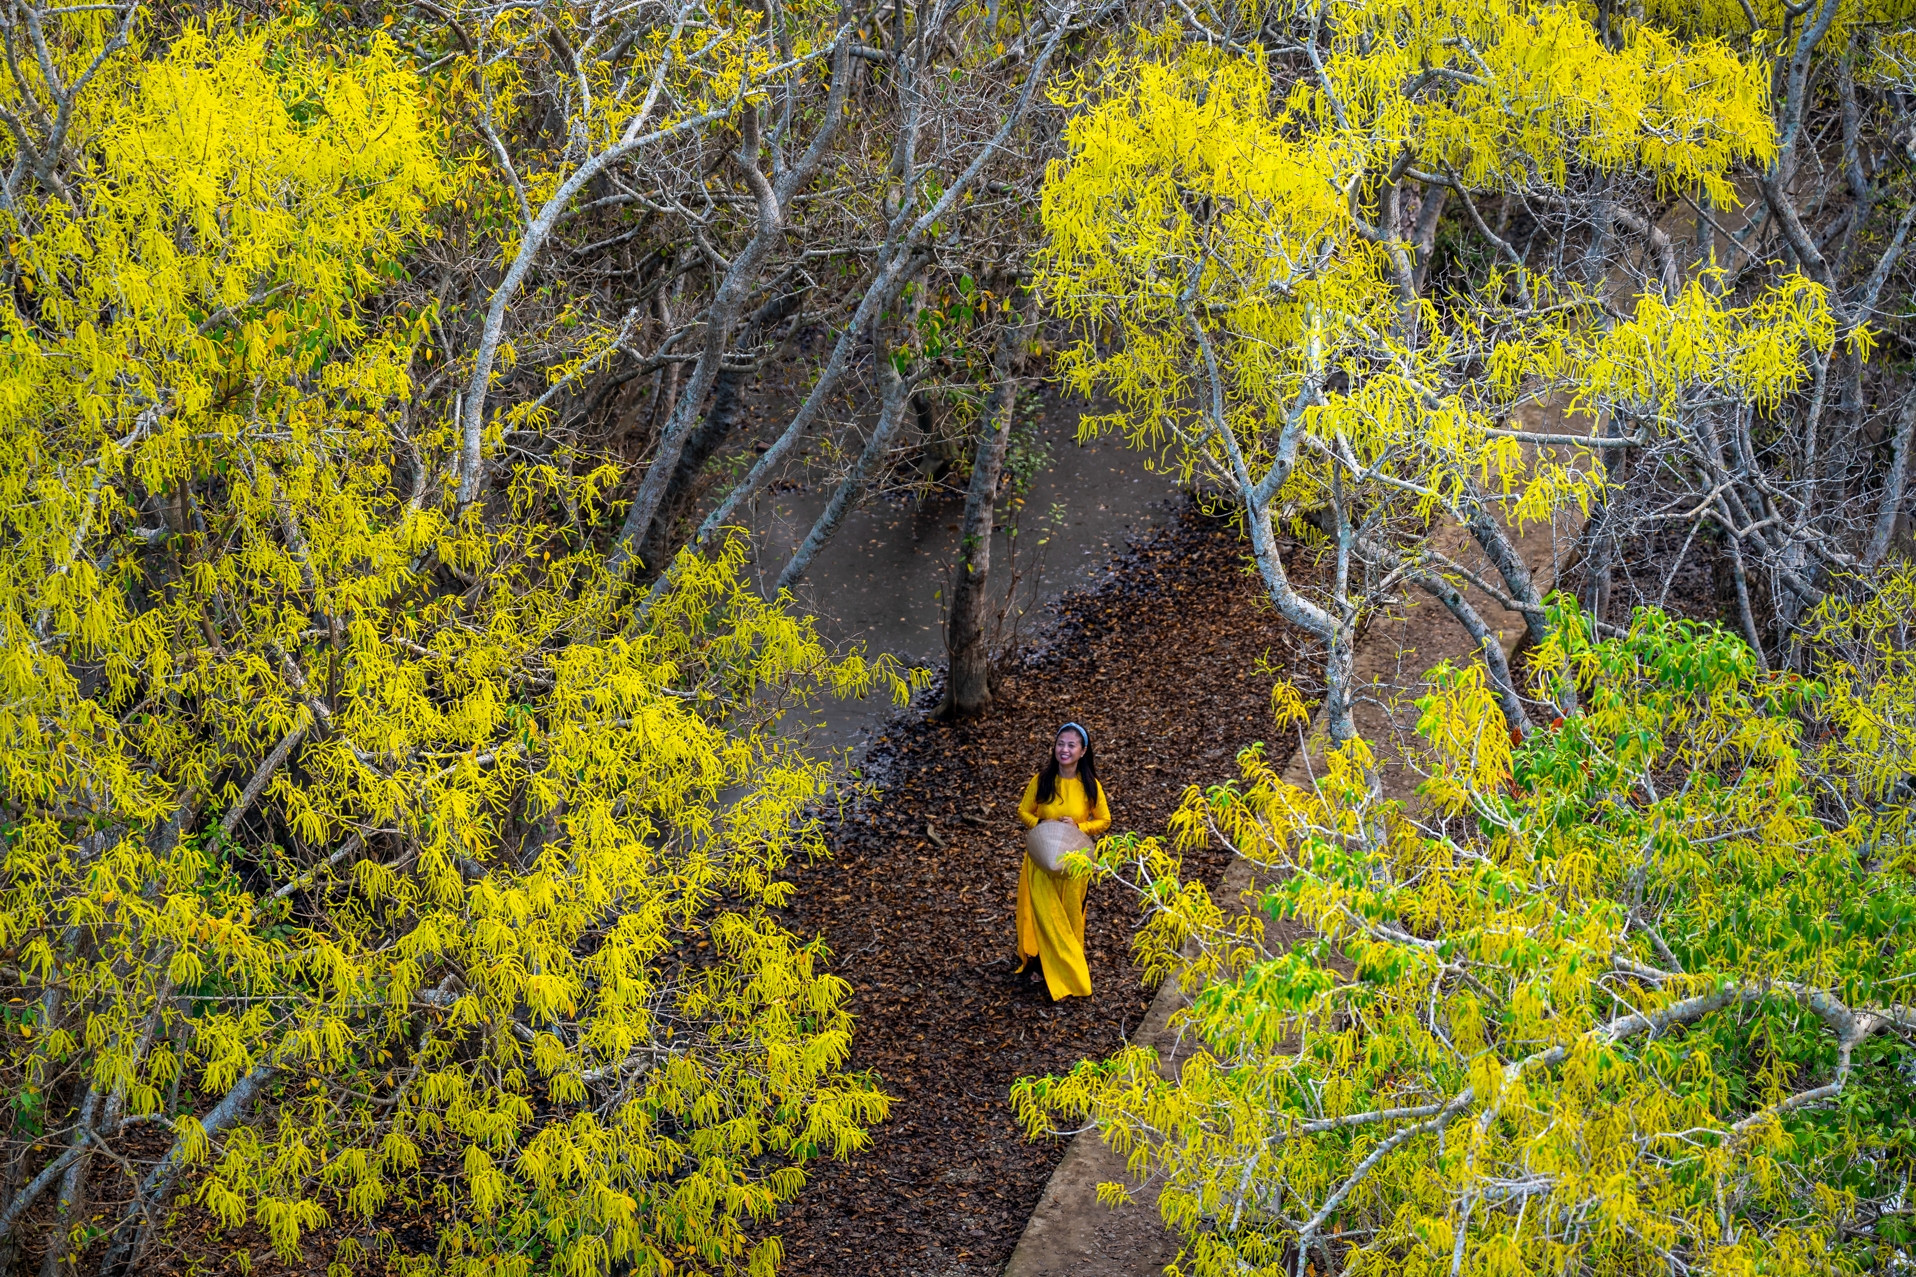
1169, 660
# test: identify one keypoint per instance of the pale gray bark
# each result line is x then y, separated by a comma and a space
261, 776
722, 316
1424, 234
138, 1225
882, 293
711, 434
62, 1254
894, 399
900, 259
1892, 504
1336, 629
1489, 646
472, 406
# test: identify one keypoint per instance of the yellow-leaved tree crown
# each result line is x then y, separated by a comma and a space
367, 850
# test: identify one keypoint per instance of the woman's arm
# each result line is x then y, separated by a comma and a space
1028, 806
1099, 820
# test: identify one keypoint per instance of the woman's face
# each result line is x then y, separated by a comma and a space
1069, 749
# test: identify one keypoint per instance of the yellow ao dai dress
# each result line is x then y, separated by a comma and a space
1051, 906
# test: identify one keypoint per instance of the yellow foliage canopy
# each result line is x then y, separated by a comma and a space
383, 855
1226, 237
1192, 201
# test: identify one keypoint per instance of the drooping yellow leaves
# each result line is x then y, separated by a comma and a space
1869, 664
1671, 347
401, 816
1201, 203
229, 206
1468, 737
1530, 90
1856, 26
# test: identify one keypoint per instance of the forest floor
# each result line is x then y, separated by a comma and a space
1169, 661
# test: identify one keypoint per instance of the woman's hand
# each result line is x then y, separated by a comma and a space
1066, 820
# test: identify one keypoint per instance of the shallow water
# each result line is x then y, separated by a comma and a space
881, 580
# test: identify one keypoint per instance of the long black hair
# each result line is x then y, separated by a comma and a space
1087, 768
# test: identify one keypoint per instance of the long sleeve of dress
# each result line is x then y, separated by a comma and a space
1099, 819
1028, 805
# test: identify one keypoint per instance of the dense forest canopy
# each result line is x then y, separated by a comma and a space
395, 801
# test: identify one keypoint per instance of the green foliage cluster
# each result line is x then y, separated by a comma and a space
1630, 996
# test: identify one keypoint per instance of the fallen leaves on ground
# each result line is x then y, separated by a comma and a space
1169, 662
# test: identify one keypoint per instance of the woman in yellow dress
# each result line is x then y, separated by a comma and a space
1051, 905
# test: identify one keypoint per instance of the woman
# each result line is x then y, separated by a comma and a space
1051, 906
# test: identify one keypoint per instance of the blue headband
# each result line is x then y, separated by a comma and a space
1083, 735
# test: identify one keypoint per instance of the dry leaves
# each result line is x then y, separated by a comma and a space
1162, 662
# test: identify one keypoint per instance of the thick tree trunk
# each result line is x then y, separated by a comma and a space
1424, 233
1494, 539
63, 1250
968, 683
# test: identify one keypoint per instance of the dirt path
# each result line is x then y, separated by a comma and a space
1162, 663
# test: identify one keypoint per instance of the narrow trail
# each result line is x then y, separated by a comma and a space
1169, 661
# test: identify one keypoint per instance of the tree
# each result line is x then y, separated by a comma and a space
358, 842
1240, 235
1789, 504
1624, 992
967, 641
657, 198
1632, 995
927, 205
